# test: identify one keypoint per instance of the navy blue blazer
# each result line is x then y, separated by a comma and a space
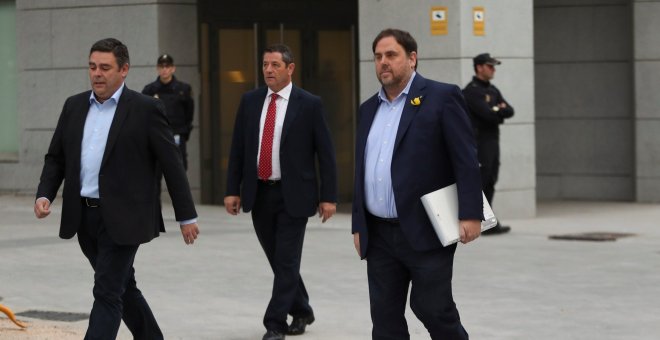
434, 148
305, 138
139, 139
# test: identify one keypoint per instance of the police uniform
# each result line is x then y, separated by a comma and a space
179, 106
483, 99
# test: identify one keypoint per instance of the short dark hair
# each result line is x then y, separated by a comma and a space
118, 49
402, 37
287, 55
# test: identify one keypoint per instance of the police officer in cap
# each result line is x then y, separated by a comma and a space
179, 105
488, 110
177, 97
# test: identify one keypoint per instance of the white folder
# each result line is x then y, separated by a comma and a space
442, 208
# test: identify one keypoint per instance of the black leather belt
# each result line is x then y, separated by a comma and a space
385, 220
91, 202
268, 182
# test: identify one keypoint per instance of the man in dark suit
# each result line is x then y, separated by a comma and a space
413, 137
105, 148
279, 134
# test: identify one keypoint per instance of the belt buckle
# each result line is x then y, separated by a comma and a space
90, 204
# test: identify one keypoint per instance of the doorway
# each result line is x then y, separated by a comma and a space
325, 57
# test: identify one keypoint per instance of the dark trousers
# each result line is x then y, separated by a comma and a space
116, 296
281, 237
488, 152
392, 265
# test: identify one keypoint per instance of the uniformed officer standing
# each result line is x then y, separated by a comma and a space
488, 110
177, 97
179, 105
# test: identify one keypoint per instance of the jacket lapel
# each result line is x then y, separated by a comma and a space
292, 110
369, 111
78, 127
117, 122
410, 110
254, 119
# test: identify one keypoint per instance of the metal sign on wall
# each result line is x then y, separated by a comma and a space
439, 20
478, 21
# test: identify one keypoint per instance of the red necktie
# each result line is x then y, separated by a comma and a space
266, 155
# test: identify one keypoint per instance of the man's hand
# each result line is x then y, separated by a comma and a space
189, 232
356, 242
326, 210
469, 230
233, 204
41, 207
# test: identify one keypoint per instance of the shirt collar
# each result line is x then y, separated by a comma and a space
383, 97
115, 96
284, 93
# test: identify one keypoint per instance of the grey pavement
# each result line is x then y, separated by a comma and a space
515, 286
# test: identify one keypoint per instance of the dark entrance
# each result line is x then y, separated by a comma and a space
322, 36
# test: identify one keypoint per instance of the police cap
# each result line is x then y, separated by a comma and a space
485, 58
165, 59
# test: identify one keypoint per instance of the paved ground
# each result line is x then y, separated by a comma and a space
516, 286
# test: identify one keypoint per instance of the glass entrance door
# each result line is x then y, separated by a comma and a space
231, 65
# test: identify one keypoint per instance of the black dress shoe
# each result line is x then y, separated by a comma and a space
273, 335
298, 324
499, 229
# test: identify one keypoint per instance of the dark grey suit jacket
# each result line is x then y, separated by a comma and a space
139, 138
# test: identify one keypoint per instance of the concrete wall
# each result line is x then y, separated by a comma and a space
647, 101
584, 107
54, 38
448, 58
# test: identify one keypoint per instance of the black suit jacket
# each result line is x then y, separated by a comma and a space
434, 148
139, 138
305, 138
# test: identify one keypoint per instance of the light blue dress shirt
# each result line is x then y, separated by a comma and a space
379, 194
95, 136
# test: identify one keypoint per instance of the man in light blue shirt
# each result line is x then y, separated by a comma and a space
106, 147
413, 137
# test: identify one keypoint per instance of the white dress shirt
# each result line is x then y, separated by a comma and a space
281, 104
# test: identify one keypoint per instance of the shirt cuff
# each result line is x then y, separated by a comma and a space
49, 202
192, 220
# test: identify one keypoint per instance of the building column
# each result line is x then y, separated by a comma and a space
647, 102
